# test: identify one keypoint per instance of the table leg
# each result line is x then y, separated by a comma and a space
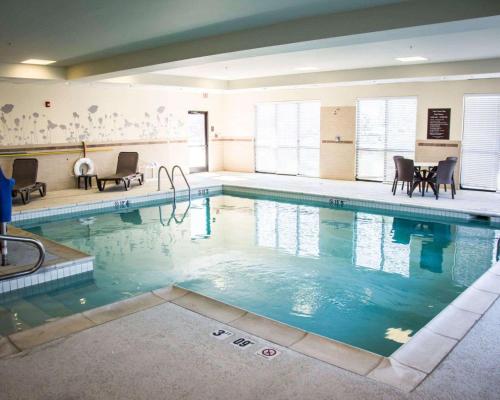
413, 187
432, 187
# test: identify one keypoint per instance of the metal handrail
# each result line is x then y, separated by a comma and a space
185, 180
172, 186
38, 264
171, 179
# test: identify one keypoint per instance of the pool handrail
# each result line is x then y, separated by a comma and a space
176, 166
36, 266
172, 186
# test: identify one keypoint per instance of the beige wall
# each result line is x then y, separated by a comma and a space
337, 157
102, 113
122, 113
239, 110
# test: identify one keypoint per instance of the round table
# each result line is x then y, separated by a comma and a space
422, 169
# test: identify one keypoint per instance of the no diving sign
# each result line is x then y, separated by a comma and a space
268, 353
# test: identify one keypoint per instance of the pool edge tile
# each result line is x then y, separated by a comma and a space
208, 307
393, 373
475, 300
336, 353
453, 322
170, 293
7, 348
488, 282
50, 331
110, 312
425, 350
273, 331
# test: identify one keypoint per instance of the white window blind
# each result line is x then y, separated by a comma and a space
287, 138
481, 142
385, 127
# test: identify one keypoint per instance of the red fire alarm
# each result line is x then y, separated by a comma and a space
47, 104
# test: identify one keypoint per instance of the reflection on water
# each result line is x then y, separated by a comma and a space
370, 280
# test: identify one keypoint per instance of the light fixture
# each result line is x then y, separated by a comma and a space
306, 68
36, 61
411, 59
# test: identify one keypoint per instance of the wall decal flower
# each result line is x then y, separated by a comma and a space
7, 108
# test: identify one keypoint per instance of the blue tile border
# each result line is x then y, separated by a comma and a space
339, 202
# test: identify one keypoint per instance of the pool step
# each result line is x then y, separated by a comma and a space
61, 262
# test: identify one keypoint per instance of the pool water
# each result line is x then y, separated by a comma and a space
369, 280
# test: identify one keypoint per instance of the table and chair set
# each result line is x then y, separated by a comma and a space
423, 175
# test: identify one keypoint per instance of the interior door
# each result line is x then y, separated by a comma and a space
197, 125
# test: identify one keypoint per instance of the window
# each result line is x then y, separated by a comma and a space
385, 127
481, 143
287, 138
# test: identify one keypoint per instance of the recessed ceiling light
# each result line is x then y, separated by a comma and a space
36, 61
411, 59
306, 69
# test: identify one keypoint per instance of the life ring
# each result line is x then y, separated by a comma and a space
78, 169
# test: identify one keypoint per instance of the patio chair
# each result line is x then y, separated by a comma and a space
25, 173
395, 182
434, 169
126, 171
407, 173
444, 175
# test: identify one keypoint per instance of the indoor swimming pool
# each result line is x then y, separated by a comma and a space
369, 279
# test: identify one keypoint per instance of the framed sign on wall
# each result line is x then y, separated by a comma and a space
438, 123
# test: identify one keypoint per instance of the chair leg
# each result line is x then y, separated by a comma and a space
43, 190
445, 187
453, 191
437, 191
403, 185
26, 198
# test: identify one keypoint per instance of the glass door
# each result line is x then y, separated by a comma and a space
197, 124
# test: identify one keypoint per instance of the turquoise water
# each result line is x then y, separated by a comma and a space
370, 280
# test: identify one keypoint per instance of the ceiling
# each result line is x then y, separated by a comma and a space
73, 31
471, 42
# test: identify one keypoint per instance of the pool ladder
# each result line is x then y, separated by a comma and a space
171, 177
9, 238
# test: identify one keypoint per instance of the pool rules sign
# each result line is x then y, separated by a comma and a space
438, 123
